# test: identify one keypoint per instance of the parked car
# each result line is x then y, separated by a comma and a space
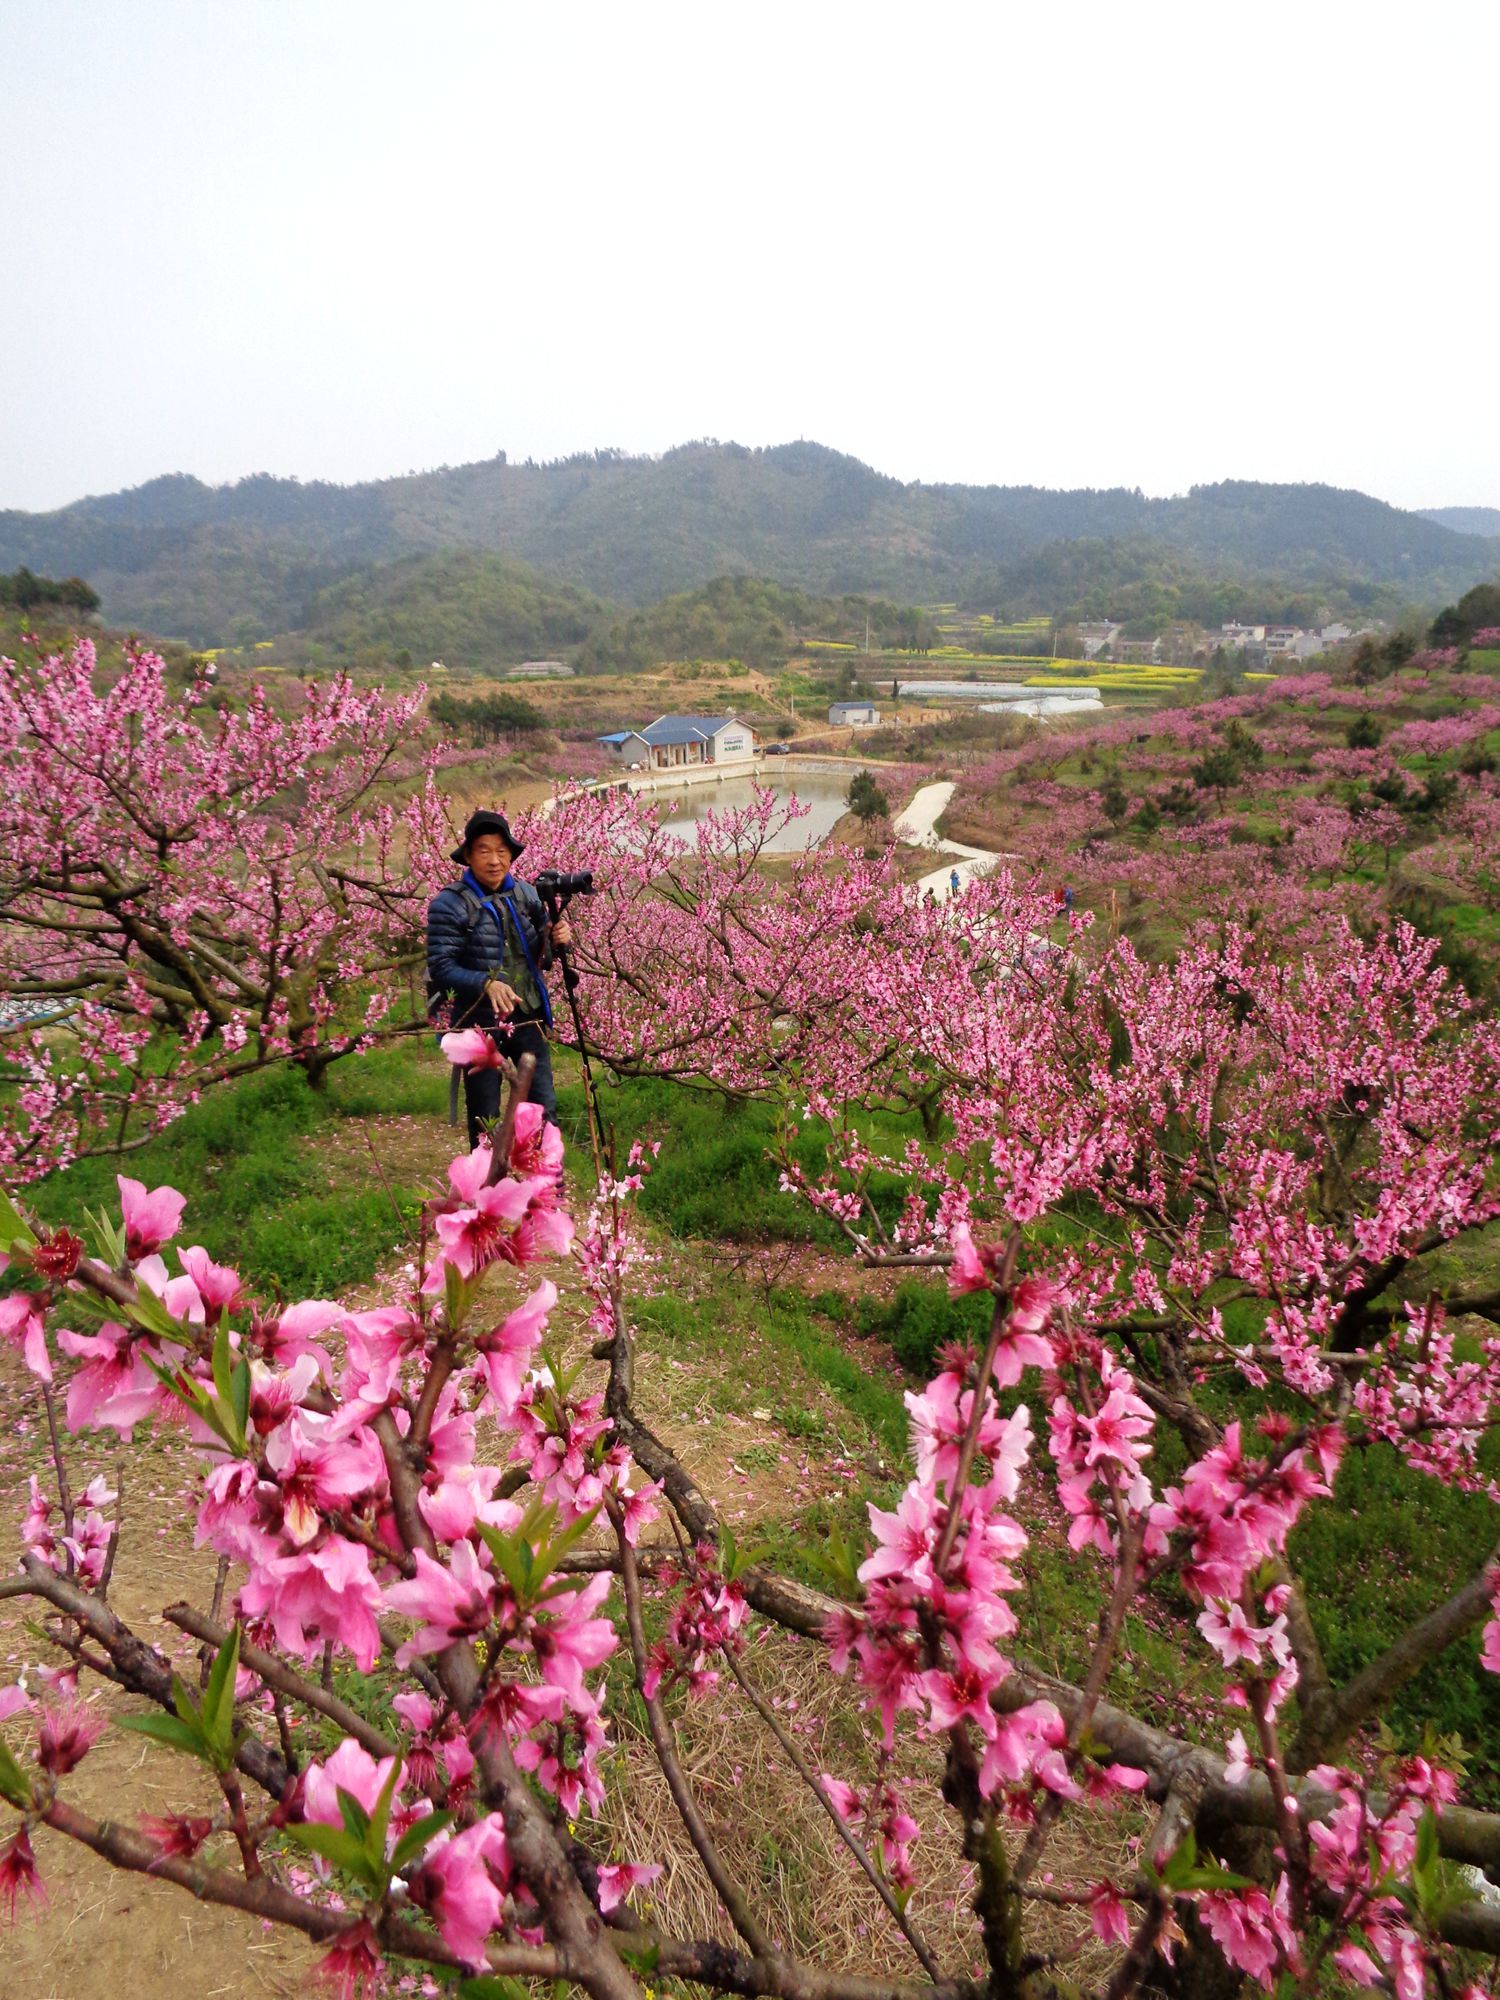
778, 750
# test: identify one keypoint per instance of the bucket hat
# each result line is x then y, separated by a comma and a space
485, 821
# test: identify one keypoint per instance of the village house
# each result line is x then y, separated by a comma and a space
853, 714
674, 742
1097, 636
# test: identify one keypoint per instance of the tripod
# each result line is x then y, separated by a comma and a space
556, 903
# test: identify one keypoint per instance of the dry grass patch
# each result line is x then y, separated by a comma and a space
776, 1839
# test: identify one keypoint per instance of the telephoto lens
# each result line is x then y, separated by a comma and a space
551, 882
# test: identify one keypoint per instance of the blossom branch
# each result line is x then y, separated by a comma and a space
819, 1791
277, 1674
729, 1893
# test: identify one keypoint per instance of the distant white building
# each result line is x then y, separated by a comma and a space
853, 714
673, 742
1237, 637
1308, 645
1097, 636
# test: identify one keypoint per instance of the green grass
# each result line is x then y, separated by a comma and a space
1389, 1546
259, 1196
920, 1318
876, 1397
715, 1176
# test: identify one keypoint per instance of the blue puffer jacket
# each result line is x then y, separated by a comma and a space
463, 949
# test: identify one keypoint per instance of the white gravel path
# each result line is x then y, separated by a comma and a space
917, 826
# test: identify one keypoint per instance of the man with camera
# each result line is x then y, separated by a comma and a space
489, 947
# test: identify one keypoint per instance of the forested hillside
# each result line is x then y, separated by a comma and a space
1465, 520
482, 611
238, 562
1146, 583
746, 618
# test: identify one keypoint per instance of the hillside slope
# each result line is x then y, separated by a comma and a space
244, 561
465, 607
1465, 520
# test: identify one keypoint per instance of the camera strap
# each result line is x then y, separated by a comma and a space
510, 889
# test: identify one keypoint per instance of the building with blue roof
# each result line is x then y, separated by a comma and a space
674, 742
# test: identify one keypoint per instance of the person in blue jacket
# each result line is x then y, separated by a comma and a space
489, 947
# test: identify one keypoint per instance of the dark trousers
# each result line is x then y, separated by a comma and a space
482, 1087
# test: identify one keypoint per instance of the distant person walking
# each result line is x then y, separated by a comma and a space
488, 949
954, 883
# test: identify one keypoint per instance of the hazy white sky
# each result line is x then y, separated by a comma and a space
1066, 243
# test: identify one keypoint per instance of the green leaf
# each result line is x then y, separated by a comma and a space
1181, 1862
218, 1699
837, 1562
458, 1296
354, 1816
1427, 1840
746, 1559
417, 1838
147, 1312
109, 1240
224, 1417
493, 1986
506, 1551
551, 1553
380, 1819
222, 1360
15, 1787
1209, 1875
564, 1377
733, 1560
335, 1845
641, 1958
1425, 1870
538, 1521
13, 1231
239, 1397
1185, 1871
168, 1729
186, 1704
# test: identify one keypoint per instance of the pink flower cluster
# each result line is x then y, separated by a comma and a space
343, 1478
926, 1640
706, 1618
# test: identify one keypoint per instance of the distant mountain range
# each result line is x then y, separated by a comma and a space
1465, 520
212, 564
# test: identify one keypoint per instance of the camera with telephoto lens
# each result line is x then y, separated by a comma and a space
555, 889
552, 885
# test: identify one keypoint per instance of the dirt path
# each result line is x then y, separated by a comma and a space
106, 1935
